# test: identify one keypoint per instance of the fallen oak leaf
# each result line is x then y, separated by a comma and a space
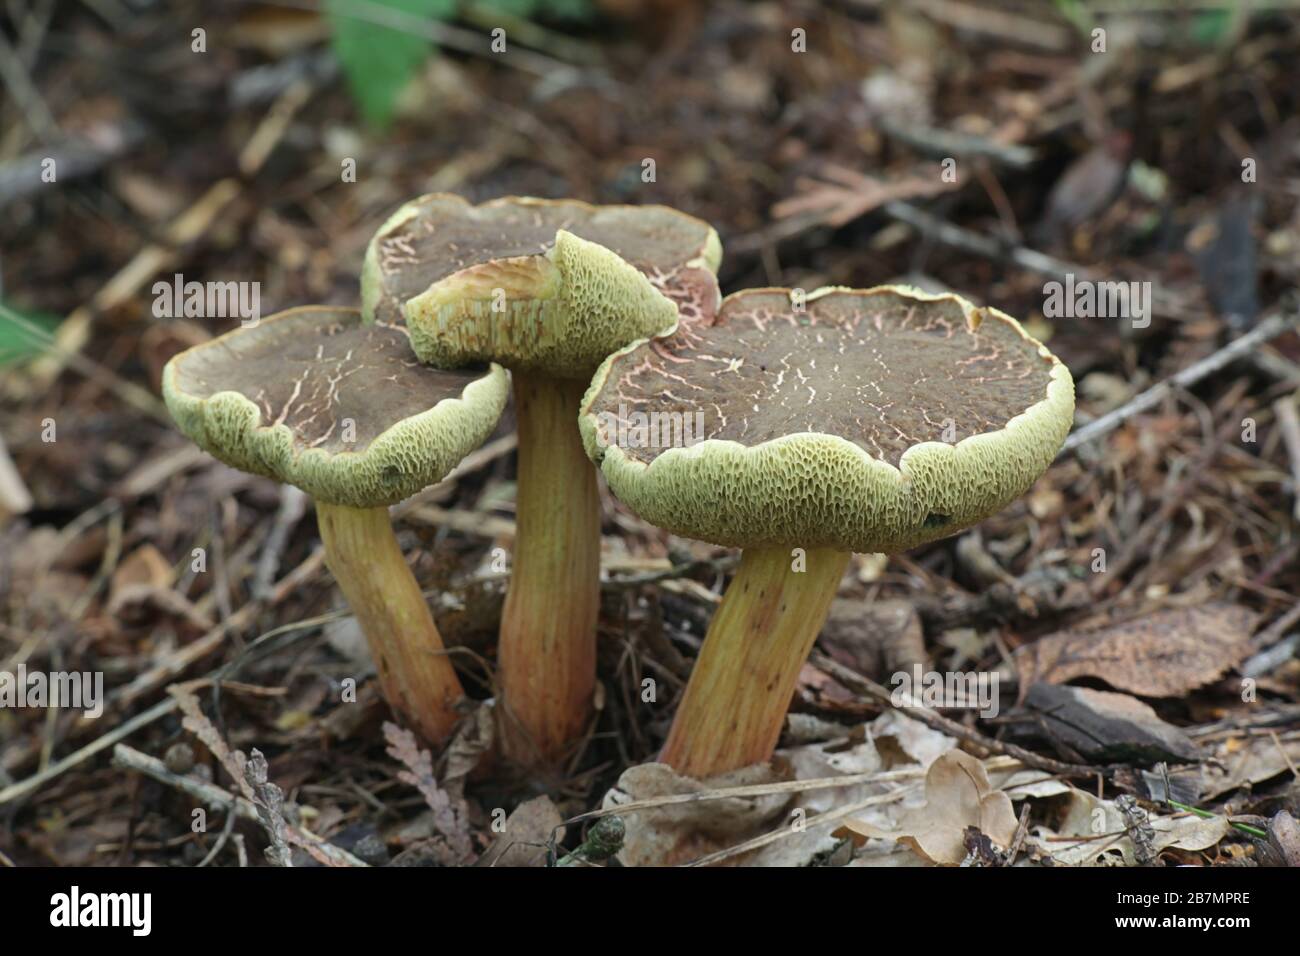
1093, 832
1241, 761
958, 795
524, 837
1165, 654
677, 833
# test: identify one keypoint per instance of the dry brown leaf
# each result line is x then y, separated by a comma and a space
875, 638
957, 795
1163, 655
469, 747
162, 599
522, 841
677, 833
1283, 844
1244, 760
143, 566
1092, 832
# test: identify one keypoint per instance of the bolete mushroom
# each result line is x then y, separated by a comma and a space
313, 397
548, 289
855, 420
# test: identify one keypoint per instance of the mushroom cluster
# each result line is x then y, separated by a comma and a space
816, 426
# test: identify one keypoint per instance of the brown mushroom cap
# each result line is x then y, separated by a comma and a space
438, 261
872, 420
315, 398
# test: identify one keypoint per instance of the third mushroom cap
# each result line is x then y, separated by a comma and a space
802, 430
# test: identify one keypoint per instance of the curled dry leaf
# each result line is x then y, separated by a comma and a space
957, 795
1244, 760
469, 746
876, 638
1020, 783
1093, 832
902, 740
523, 841
681, 832
1163, 655
1283, 844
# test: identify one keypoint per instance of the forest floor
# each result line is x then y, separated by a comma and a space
1139, 605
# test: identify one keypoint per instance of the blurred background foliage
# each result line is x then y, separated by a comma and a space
380, 51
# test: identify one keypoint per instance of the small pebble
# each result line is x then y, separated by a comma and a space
179, 758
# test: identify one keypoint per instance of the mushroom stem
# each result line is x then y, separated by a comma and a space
759, 638
415, 672
547, 650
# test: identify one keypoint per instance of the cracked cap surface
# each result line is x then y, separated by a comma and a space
315, 398
546, 285
872, 420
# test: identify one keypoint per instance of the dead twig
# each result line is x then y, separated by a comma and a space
830, 816
1269, 328
213, 796
293, 505
72, 158
14, 74
15, 499
1288, 421
865, 685
74, 331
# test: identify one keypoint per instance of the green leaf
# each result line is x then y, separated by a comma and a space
1211, 27
23, 334
379, 60
531, 9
